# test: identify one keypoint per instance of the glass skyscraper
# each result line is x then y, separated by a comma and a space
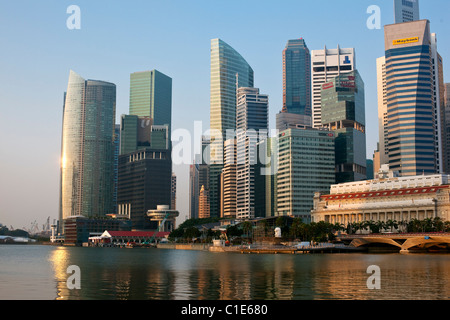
88, 146
297, 78
306, 165
151, 96
228, 69
410, 102
343, 112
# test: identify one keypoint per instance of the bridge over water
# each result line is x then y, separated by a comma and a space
405, 242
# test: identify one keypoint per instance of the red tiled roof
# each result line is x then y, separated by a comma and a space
137, 234
382, 193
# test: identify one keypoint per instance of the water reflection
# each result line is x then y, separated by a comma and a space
111, 273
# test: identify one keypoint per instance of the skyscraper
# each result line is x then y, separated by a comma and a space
406, 10
251, 128
382, 112
306, 164
343, 112
325, 65
297, 78
151, 96
87, 174
410, 105
228, 180
228, 69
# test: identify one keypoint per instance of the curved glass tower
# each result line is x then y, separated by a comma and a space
228, 69
87, 155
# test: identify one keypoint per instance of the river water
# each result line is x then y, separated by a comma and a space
39, 272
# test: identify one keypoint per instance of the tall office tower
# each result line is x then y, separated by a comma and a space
116, 163
87, 174
203, 204
325, 65
198, 177
343, 112
382, 112
228, 71
138, 133
297, 78
193, 191
406, 10
439, 106
269, 159
447, 127
151, 96
144, 183
252, 124
228, 181
409, 86
305, 164
173, 193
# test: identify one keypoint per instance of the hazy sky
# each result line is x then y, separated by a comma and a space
120, 37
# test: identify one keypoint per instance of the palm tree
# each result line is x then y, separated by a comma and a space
247, 227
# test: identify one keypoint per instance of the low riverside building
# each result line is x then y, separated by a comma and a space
118, 238
387, 198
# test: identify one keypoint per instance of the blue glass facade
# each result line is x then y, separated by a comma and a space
297, 78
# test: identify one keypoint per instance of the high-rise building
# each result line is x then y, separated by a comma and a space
138, 133
382, 112
144, 183
343, 112
305, 165
203, 204
198, 177
116, 163
447, 127
228, 180
87, 155
229, 70
297, 78
406, 10
151, 96
439, 106
251, 127
325, 65
410, 98
173, 193
286, 120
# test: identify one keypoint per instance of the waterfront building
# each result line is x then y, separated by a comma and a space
87, 148
306, 164
78, 229
151, 96
144, 183
229, 70
297, 78
410, 99
163, 218
406, 10
387, 198
343, 112
325, 65
251, 127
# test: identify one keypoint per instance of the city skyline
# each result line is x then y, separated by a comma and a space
57, 50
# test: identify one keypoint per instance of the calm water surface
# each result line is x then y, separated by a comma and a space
40, 272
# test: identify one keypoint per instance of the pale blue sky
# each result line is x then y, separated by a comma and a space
120, 37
